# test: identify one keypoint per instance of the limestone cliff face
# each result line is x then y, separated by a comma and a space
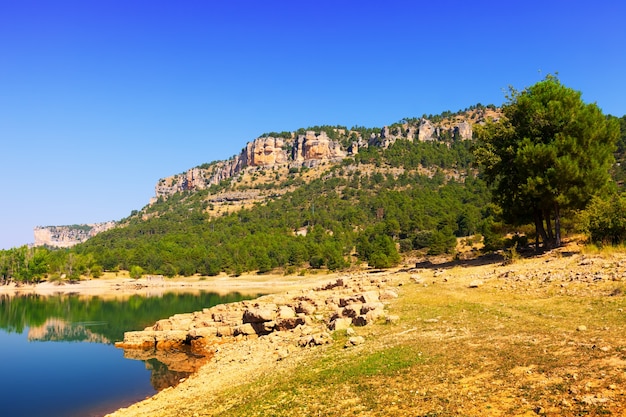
68, 236
308, 150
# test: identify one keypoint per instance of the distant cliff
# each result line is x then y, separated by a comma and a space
311, 148
67, 236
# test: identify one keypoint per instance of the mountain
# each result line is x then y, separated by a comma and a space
327, 144
321, 197
68, 236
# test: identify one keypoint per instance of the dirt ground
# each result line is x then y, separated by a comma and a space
543, 335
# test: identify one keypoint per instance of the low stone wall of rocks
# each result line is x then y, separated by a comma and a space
300, 319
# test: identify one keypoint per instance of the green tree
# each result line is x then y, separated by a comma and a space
604, 220
550, 152
136, 272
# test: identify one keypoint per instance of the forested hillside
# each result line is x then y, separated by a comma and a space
363, 209
407, 193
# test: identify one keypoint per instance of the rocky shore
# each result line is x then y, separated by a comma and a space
250, 336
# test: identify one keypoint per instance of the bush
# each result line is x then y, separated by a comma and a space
604, 220
136, 272
96, 271
441, 242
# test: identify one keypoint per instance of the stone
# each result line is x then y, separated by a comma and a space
351, 310
306, 308
340, 323
392, 319
204, 332
286, 312
365, 308
476, 283
360, 321
355, 341
244, 329
388, 295
581, 328
258, 315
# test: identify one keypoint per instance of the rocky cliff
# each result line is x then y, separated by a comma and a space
67, 236
311, 148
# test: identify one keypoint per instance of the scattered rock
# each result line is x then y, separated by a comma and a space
355, 341
392, 319
388, 295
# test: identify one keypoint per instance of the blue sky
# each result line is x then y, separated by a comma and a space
101, 98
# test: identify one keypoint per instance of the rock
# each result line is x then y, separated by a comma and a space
340, 323
286, 312
392, 319
463, 130
351, 310
139, 339
426, 131
581, 328
244, 329
476, 283
306, 308
416, 279
388, 295
204, 332
68, 236
355, 341
224, 331
290, 323
361, 320
365, 308
258, 315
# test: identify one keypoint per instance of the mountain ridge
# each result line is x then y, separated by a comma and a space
313, 146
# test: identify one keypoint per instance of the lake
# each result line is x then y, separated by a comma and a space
58, 357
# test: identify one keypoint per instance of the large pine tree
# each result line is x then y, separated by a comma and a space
550, 152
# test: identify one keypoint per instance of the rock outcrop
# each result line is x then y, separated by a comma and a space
290, 320
68, 236
312, 148
306, 150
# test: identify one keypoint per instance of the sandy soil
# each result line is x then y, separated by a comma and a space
121, 286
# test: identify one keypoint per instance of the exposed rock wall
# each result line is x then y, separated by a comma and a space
307, 150
68, 236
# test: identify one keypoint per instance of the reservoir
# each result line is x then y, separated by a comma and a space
58, 353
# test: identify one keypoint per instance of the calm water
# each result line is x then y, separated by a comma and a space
58, 359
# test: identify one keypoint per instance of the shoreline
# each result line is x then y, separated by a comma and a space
124, 287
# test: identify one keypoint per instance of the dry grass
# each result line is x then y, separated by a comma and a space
514, 346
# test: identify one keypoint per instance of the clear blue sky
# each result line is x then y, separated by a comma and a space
101, 98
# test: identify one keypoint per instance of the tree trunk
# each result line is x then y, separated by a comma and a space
546, 214
557, 225
539, 230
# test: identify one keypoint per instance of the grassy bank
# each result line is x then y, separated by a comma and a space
541, 336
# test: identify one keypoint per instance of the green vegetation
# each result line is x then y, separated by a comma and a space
549, 153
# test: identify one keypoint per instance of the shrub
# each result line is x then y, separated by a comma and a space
604, 220
136, 272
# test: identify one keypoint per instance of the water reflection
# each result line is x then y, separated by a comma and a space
59, 330
66, 340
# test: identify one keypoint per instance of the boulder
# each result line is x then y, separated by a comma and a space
340, 323
388, 295
285, 312
258, 315
355, 341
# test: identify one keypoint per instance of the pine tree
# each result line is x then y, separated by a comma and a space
551, 152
